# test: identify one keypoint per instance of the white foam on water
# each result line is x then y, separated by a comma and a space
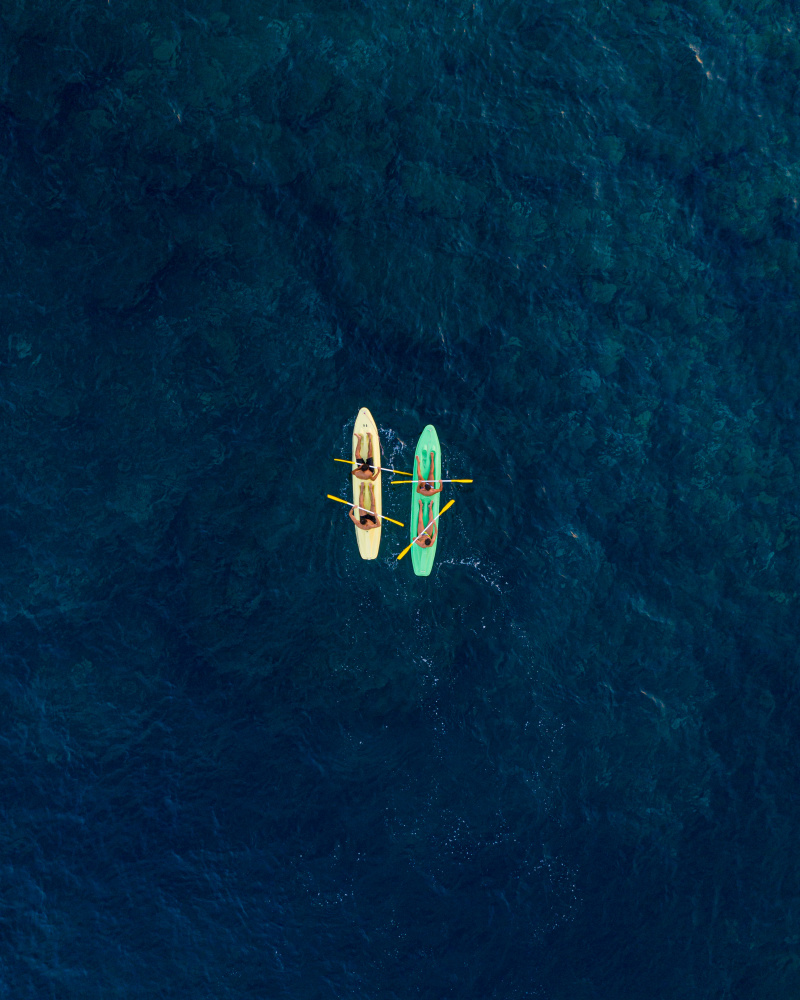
489, 574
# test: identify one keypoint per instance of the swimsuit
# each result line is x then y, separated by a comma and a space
368, 517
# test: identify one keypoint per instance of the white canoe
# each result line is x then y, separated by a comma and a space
368, 541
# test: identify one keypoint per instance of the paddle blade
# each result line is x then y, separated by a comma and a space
339, 499
405, 552
447, 506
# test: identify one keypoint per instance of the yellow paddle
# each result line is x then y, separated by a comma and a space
397, 472
408, 548
405, 482
382, 516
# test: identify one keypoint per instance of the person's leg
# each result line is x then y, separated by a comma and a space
372, 498
369, 447
432, 473
361, 498
421, 481
358, 448
430, 527
420, 525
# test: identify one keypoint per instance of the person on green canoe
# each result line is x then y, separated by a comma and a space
366, 519
366, 466
425, 486
427, 533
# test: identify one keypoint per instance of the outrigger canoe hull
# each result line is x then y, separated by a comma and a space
369, 542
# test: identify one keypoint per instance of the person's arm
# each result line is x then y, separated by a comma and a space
352, 516
437, 491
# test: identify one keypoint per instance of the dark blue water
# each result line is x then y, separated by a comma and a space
239, 762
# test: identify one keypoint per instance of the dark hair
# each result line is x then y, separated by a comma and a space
428, 540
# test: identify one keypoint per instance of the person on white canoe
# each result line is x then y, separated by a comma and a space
366, 466
366, 519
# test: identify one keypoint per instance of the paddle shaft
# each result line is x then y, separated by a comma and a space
405, 482
408, 548
383, 517
397, 472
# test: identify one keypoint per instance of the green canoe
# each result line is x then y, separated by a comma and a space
428, 442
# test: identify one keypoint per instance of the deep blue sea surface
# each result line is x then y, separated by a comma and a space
239, 762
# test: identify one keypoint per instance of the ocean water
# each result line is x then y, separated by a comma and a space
239, 762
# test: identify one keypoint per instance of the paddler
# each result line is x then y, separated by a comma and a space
366, 466
425, 486
366, 519
426, 534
